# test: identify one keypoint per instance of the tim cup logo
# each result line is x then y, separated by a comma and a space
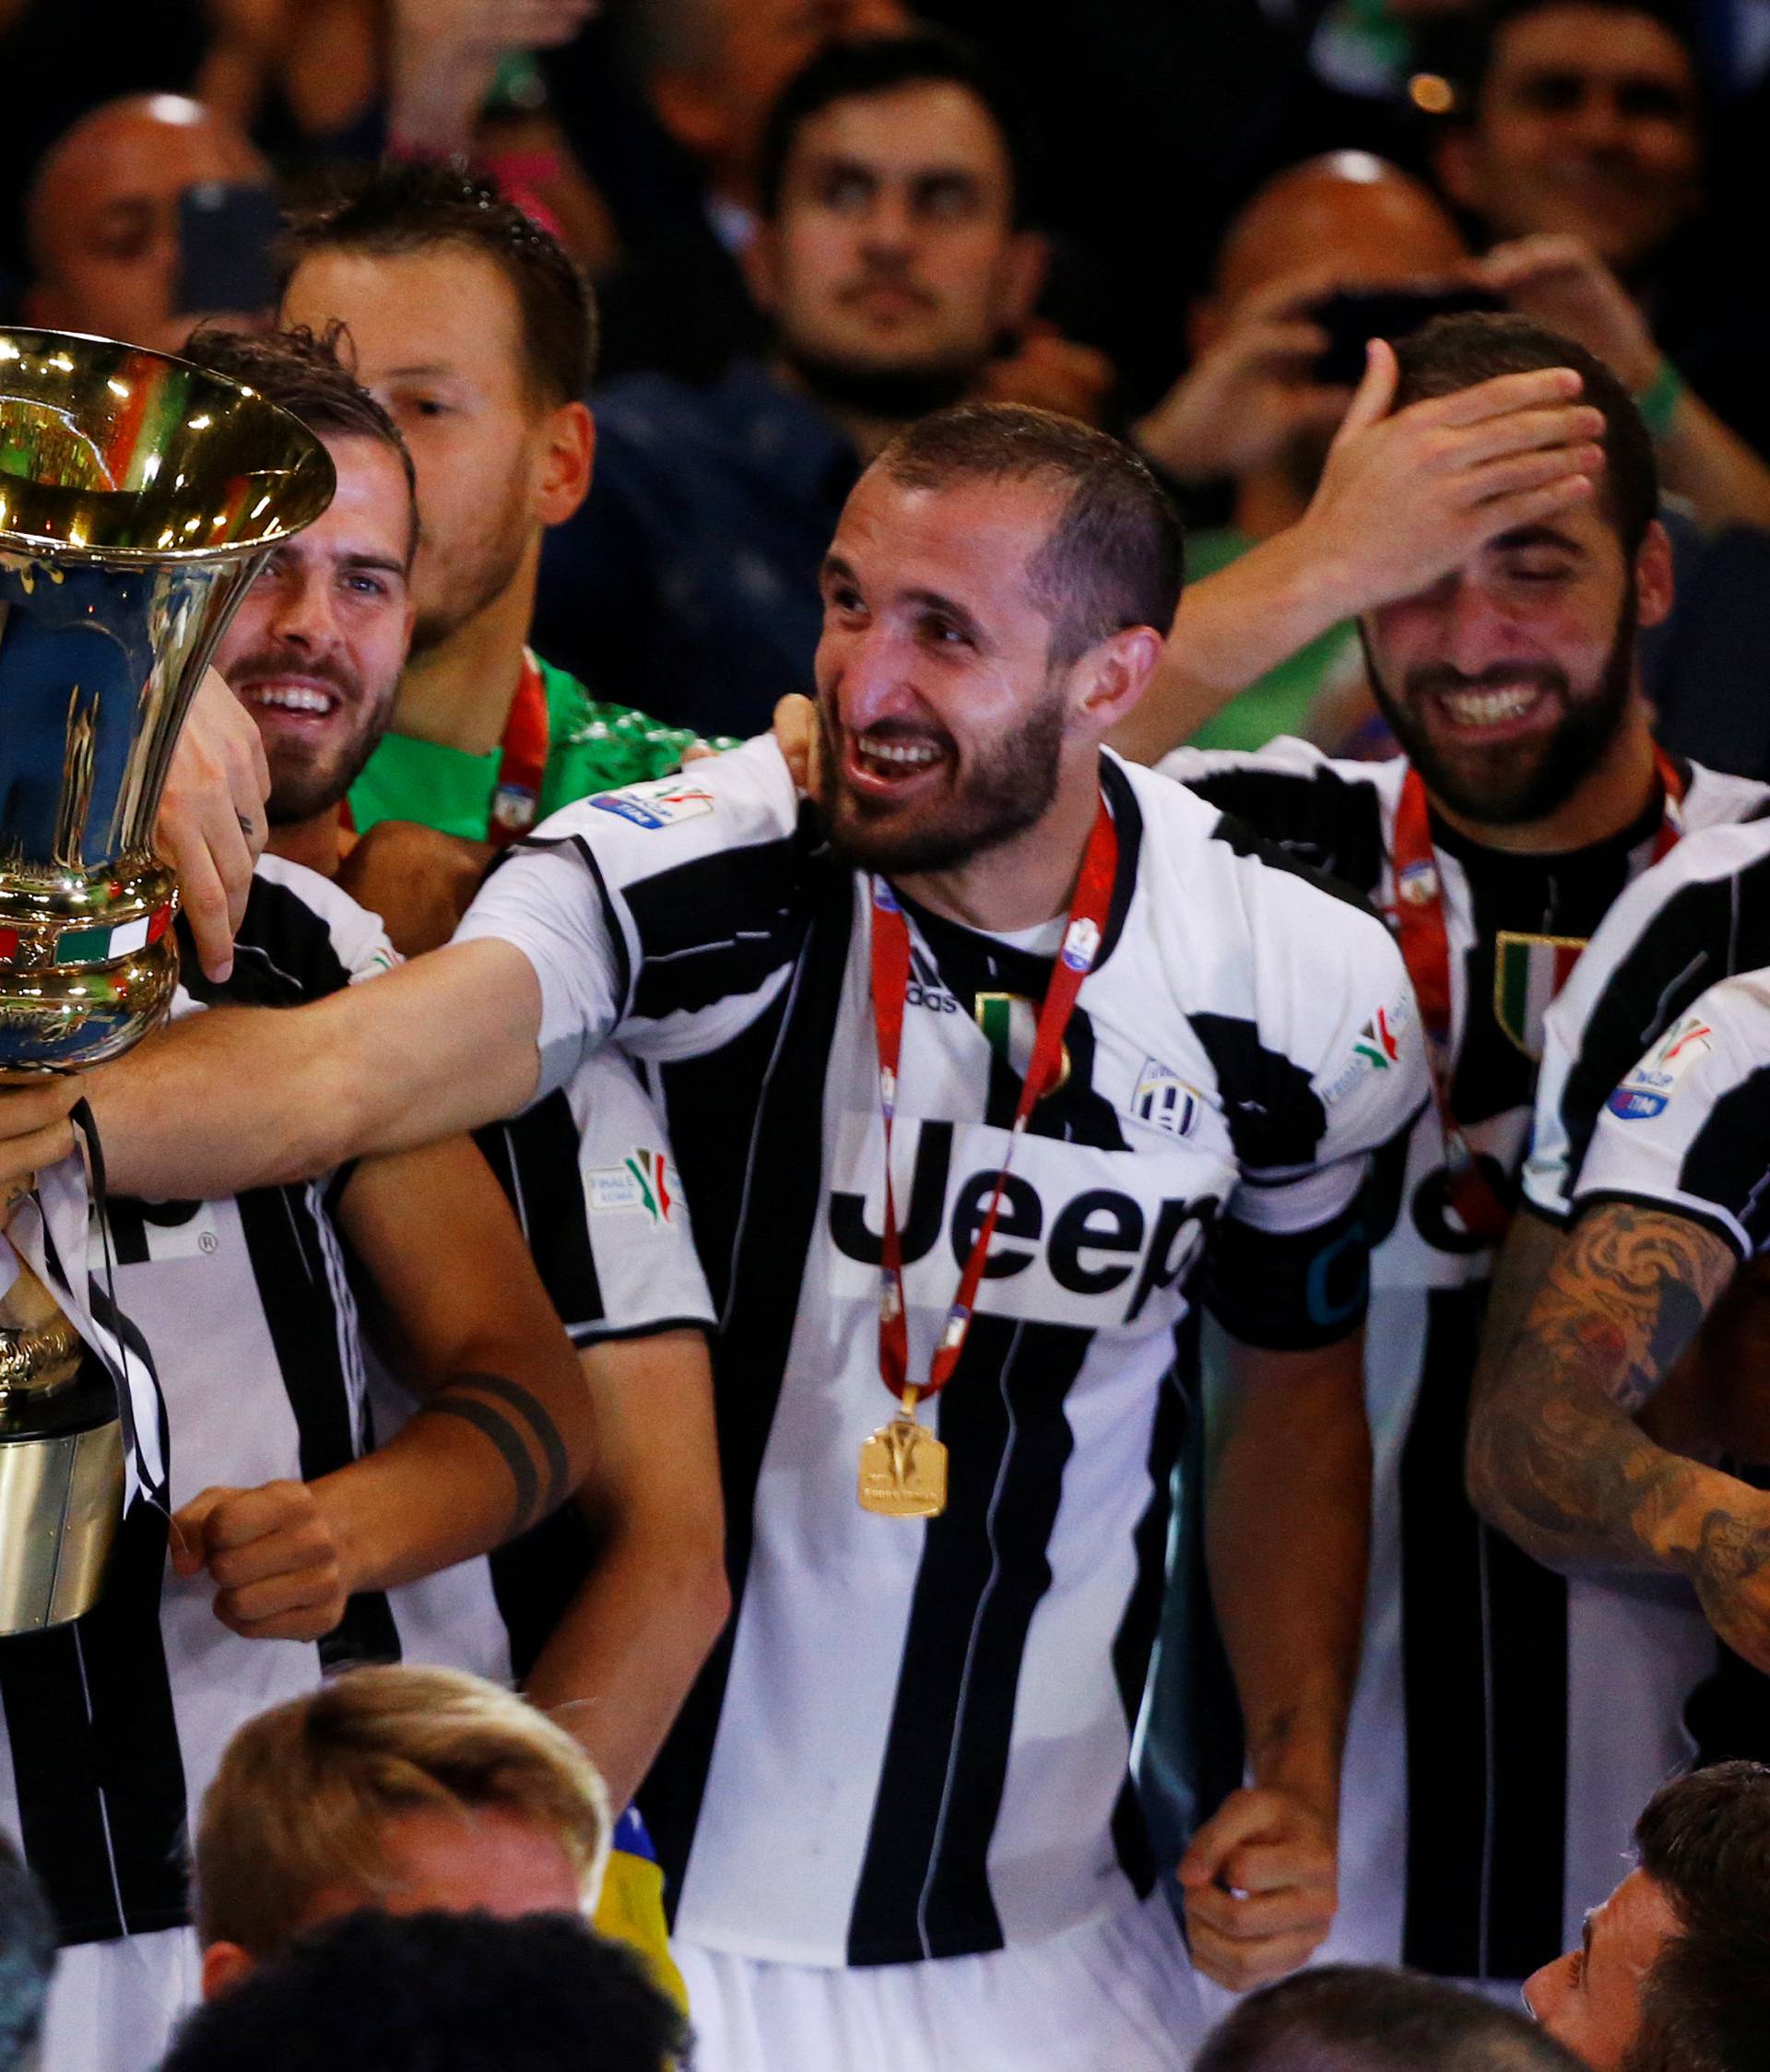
1082, 944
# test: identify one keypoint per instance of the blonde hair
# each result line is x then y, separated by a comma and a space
304, 1791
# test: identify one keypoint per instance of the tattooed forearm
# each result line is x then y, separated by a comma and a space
523, 1431
1555, 1459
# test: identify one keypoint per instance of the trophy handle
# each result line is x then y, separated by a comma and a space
61, 1457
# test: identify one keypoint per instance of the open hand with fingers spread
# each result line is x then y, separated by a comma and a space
1408, 496
276, 1560
1260, 1885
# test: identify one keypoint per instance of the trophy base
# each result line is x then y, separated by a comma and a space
61, 1501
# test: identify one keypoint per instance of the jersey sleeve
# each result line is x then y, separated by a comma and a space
1671, 934
1324, 812
590, 1173
663, 911
353, 935
1688, 1128
1340, 1072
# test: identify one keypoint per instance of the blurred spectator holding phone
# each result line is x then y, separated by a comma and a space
1272, 380
146, 215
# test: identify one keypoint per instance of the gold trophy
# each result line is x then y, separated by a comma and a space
140, 496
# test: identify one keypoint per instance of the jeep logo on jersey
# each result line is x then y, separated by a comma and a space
1164, 1098
1011, 1023
1063, 1248
149, 1233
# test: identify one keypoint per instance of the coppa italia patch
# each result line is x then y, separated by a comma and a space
660, 803
641, 1182
1644, 1093
1376, 1048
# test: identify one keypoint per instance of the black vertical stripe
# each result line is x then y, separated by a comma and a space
767, 1088
95, 1753
535, 1159
924, 1880
1135, 1641
1484, 1647
301, 1313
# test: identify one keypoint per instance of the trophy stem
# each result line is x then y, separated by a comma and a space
61, 1458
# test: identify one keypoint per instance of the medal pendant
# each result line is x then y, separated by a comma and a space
903, 1470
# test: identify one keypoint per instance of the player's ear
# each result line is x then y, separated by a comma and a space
224, 1965
565, 462
1108, 680
1652, 579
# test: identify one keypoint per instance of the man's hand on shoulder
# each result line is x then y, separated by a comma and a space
1259, 1882
212, 826
418, 881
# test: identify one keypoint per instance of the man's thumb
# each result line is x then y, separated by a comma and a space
1375, 393
189, 1536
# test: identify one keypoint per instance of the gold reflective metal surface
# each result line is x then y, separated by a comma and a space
140, 496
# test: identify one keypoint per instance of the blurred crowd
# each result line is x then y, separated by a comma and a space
1420, 314
1177, 222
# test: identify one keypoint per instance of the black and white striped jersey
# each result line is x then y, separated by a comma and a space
114, 1724
1522, 1785
1698, 917
1688, 1128
589, 1171
913, 1740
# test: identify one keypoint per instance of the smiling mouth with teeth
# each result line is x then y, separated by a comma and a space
1489, 708
295, 697
883, 753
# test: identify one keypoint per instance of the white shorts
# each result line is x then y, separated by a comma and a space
1113, 1996
112, 2006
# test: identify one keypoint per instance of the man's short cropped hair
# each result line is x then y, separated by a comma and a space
304, 1790
862, 66
1114, 557
397, 208
1356, 2017
1704, 1840
1457, 352
26, 1960
302, 371
439, 1993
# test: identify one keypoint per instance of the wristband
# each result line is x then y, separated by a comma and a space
1659, 401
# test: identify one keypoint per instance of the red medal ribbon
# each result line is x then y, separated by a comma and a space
523, 764
1426, 950
1081, 940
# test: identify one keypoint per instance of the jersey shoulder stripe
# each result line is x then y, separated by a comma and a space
1688, 1128
300, 939
1329, 814
1700, 913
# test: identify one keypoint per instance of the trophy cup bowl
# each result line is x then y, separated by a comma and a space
140, 496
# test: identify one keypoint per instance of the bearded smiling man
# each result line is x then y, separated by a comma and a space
1537, 1715
945, 1596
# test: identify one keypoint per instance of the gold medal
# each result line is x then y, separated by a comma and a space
904, 1468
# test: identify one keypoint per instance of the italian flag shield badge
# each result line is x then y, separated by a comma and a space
1529, 971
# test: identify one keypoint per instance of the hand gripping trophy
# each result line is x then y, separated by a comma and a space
139, 498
